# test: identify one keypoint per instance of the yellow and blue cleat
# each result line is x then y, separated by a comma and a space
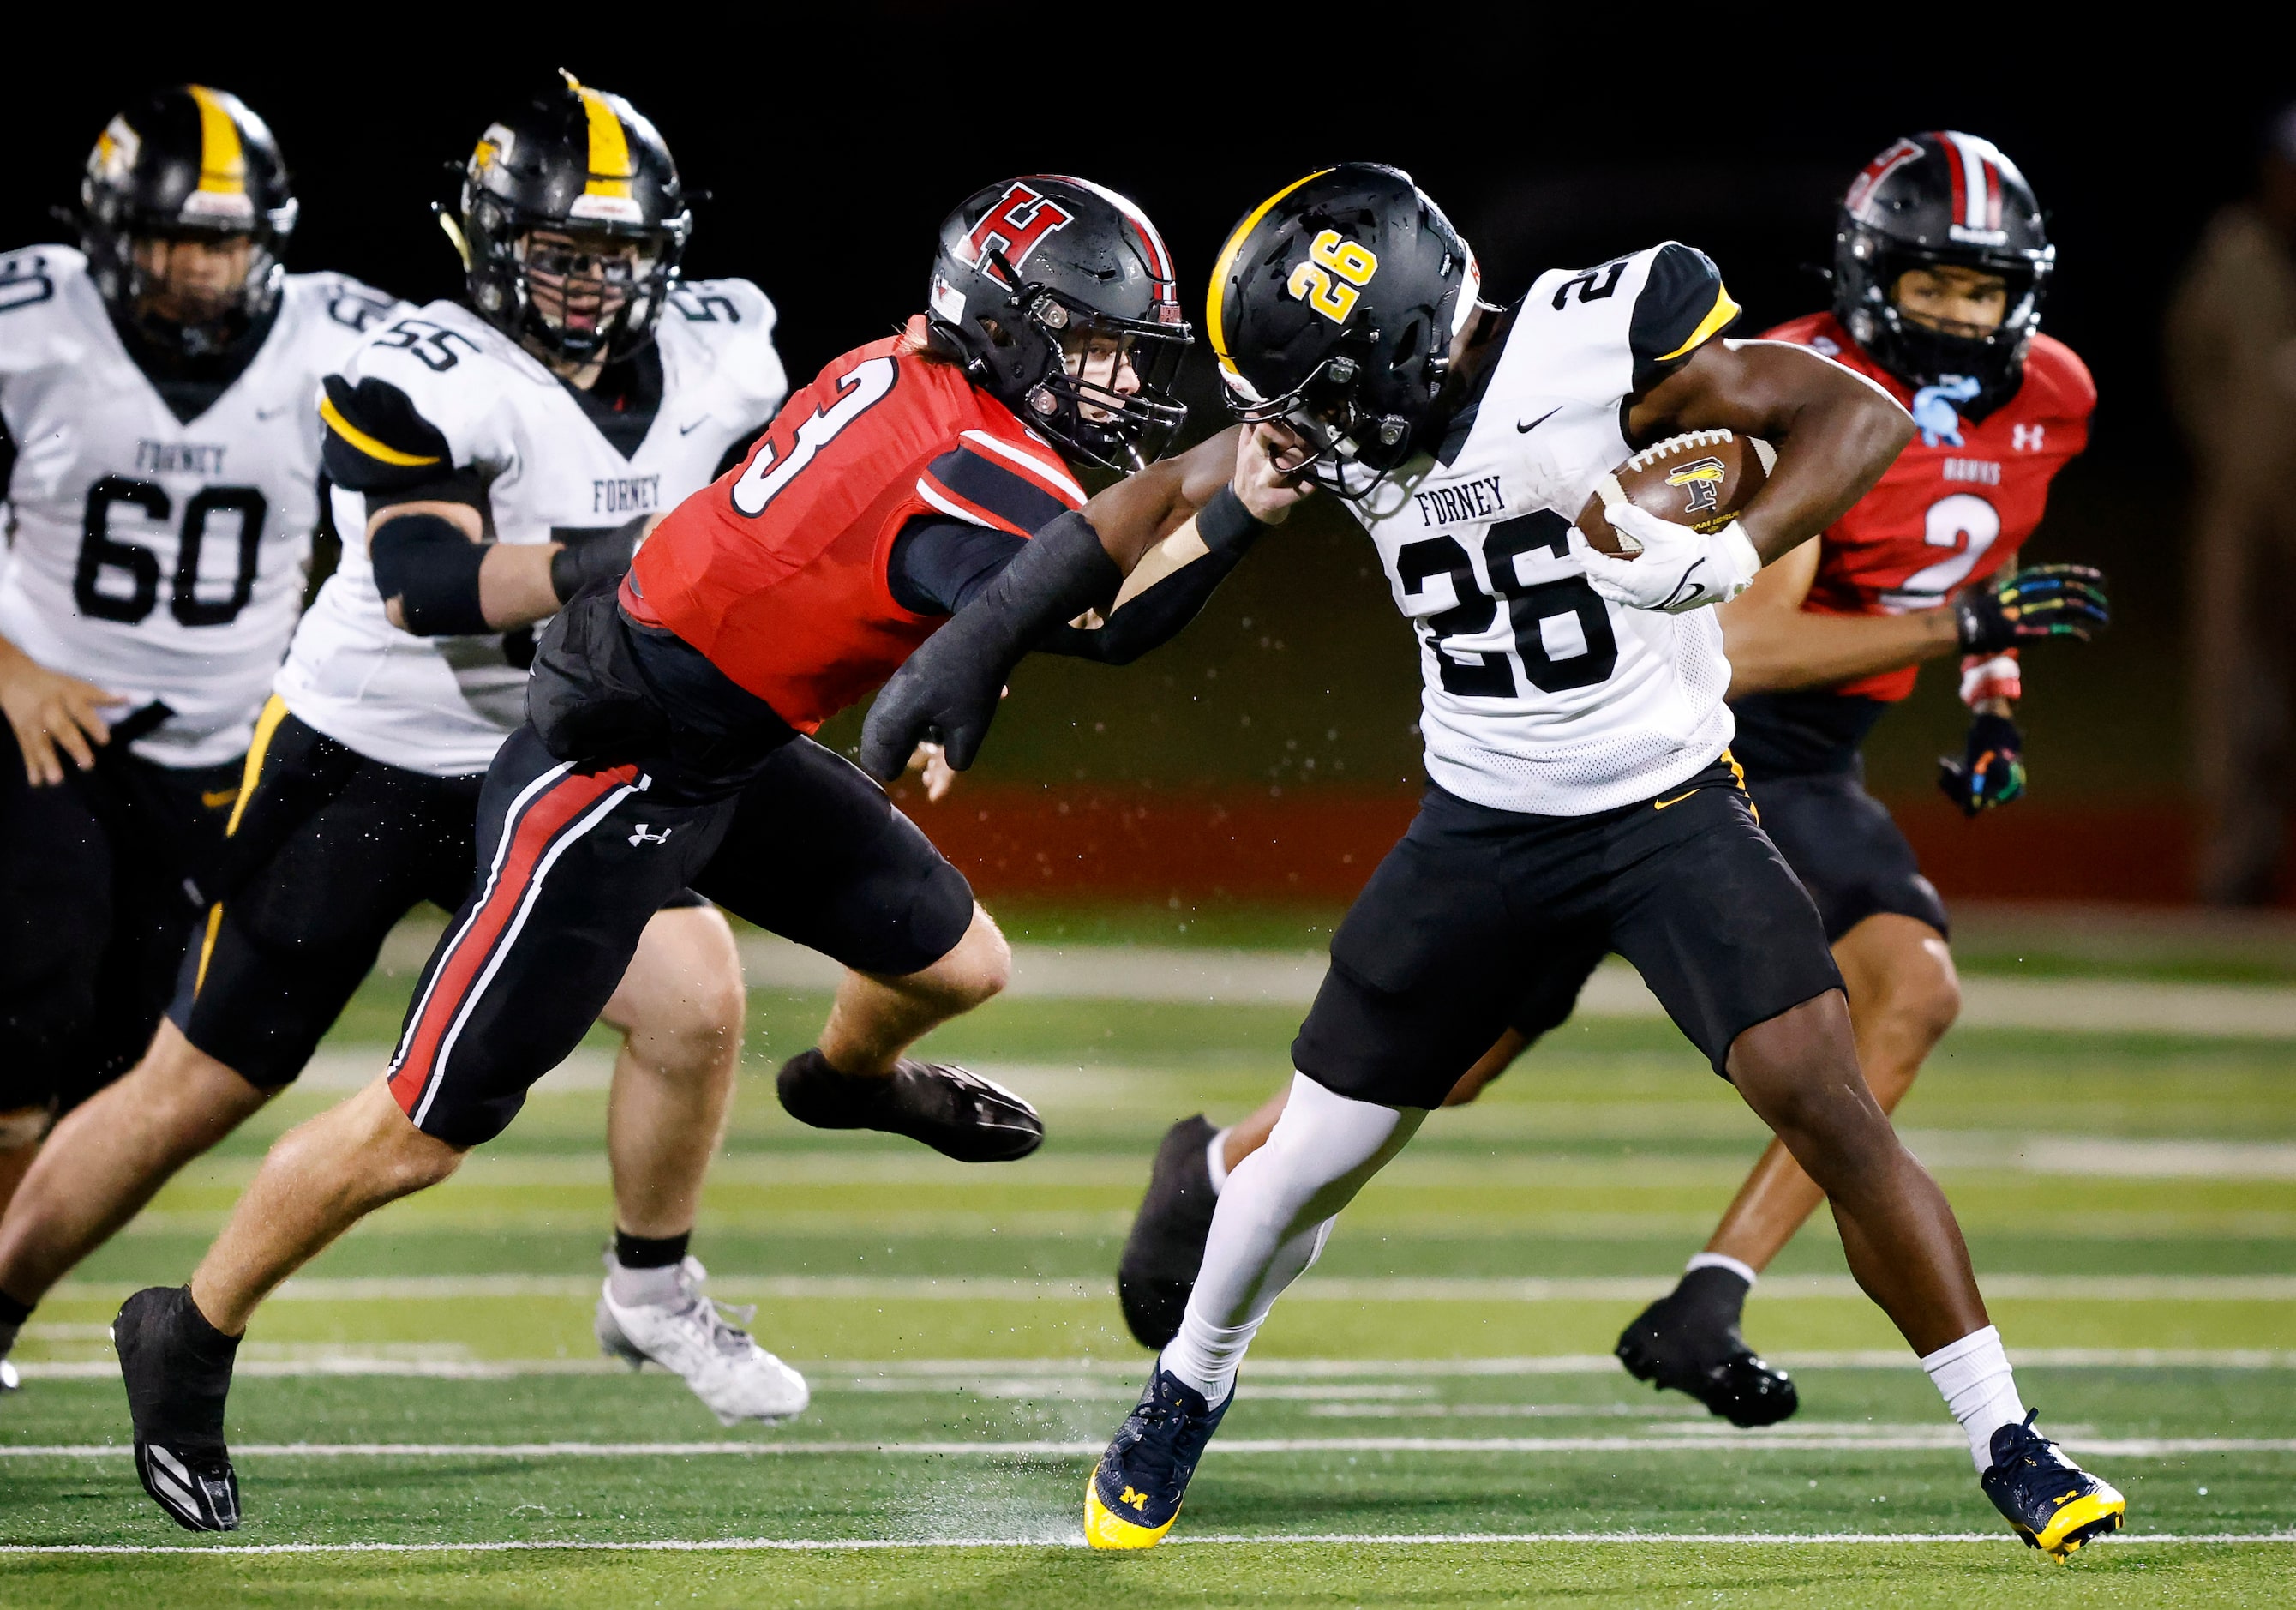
2052, 1503
1134, 1494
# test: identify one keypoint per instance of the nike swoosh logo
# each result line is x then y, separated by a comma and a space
696, 425
1678, 798
1526, 428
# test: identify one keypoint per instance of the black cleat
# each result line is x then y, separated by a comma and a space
1689, 1340
177, 1368
1132, 1495
957, 1114
2052, 1503
1166, 1247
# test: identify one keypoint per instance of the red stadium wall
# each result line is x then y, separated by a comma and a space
1321, 844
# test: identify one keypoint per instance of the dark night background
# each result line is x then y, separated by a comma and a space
832, 151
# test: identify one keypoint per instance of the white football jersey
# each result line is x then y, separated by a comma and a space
1541, 696
443, 705
157, 558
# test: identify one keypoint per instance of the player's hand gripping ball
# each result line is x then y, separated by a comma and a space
1661, 530
1700, 478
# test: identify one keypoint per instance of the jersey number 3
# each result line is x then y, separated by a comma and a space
857, 392
101, 553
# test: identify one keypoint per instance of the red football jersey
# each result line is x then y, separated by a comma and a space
777, 572
1962, 498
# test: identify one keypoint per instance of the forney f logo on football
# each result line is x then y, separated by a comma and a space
1704, 477
1018, 224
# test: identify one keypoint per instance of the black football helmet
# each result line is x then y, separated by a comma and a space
188, 163
1332, 309
1942, 198
584, 163
1028, 264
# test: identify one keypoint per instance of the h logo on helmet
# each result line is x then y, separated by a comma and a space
1017, 225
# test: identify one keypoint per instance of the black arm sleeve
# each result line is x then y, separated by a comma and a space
1156, 615
937, 564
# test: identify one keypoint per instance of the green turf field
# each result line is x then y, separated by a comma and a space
1439, 1376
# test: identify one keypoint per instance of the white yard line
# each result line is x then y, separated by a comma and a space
1423, 1540
1338, 1288
1060, 1376
1943, 1439
1264, 978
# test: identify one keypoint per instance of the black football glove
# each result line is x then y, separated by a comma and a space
2025, 607
947, 693
591, 557
1991, 770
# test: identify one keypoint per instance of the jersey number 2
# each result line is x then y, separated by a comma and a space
1963, 523
100, 551
858, 391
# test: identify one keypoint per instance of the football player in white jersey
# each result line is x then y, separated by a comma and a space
488, 461
159, 453
1581, 798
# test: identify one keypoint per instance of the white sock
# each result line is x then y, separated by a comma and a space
643, 1288
1973, 1374
1273, 1219
1216, 1161
1699, 1260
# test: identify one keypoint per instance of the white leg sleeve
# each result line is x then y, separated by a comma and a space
1274, 1214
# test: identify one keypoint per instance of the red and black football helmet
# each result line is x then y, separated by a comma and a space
1332, 309
188, 163
1033, 263
581, 162
1942, 198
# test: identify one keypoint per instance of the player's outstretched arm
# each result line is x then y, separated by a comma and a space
439, 577
1835, 430
947, 691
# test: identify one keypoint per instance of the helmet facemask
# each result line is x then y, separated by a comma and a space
1919, 353
1080, 397
174, 305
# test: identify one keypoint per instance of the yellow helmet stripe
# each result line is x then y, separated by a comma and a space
382, 452
1720, 313
223, 164
1226, 261
611, 169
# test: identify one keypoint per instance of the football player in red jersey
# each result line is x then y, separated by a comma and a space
666, 746
1941, 262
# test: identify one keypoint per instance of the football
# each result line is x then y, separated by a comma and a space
1700, 478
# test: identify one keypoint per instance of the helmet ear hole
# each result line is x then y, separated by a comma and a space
995, 331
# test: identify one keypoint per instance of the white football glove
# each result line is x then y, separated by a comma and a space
1677, 569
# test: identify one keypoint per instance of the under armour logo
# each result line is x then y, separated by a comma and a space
643, 837
2026, 438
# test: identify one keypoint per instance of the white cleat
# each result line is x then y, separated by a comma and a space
10, 1381
695, 1338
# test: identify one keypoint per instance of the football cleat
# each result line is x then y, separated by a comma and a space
2051, 1502
1687, 1341
694, 1337
956, 1112
10, 1381
1134, 1494
178, 1368
1166, 1247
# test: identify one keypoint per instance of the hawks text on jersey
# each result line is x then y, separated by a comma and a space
445, 398
161, 557
1960, 500
777, 572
